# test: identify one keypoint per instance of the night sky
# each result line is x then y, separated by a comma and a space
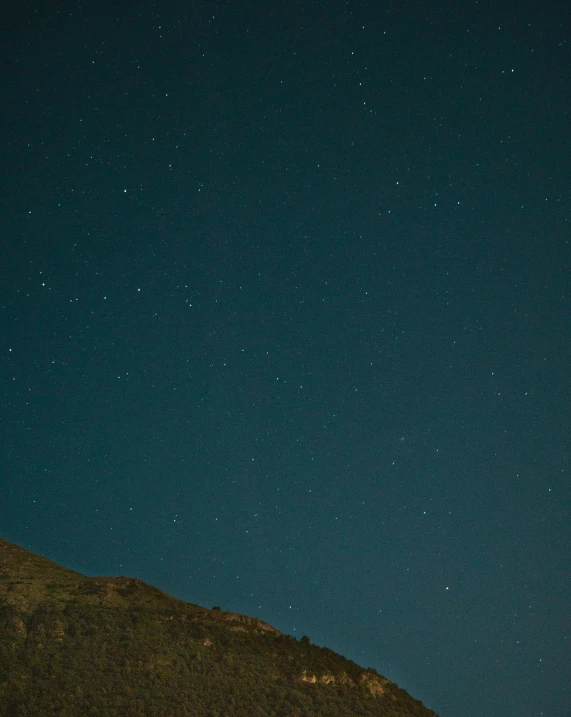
285, 322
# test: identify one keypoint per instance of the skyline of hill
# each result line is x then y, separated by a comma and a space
74, 645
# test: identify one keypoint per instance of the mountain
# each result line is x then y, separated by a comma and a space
73, 646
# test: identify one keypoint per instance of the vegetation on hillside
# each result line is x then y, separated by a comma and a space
72, 646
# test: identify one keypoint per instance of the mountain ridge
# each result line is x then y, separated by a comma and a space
117, 645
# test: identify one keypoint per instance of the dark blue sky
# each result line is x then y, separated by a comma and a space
285, 322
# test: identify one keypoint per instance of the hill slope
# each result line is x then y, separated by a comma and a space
74, 646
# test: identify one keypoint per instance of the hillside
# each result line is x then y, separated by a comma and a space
73, 646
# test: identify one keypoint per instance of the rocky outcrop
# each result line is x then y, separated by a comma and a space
326, 679
374, 683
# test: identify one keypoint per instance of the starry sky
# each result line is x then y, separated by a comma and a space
285, 322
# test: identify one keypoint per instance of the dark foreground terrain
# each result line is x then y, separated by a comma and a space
73, 646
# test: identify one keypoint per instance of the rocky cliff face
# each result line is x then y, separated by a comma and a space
374, 683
